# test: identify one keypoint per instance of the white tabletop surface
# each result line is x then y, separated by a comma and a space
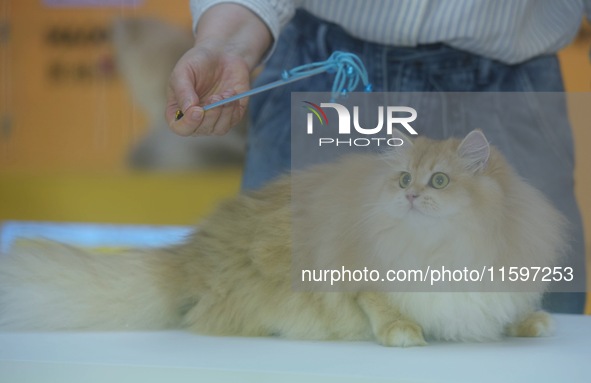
176, 356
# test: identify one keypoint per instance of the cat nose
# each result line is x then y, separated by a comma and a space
411, 196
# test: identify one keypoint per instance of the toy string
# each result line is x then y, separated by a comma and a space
348, 68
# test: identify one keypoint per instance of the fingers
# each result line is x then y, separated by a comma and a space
200, 79
196, 122
225, 119
186, 125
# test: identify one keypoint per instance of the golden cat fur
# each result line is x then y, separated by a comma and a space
233, 276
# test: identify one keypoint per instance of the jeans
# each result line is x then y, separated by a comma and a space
429, 68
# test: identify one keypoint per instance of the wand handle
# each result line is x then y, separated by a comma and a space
263, 88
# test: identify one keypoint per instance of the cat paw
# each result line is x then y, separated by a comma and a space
536, 324
401, 333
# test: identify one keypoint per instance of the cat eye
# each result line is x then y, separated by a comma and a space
439, 180
405, 179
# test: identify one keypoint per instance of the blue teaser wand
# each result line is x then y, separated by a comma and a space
348, 67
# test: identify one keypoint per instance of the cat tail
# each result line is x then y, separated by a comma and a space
51, 286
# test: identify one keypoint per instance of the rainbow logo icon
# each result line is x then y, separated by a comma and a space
318, 112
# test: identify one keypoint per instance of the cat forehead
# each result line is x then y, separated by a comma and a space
427, 155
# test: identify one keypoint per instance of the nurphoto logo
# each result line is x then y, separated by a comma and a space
388, 116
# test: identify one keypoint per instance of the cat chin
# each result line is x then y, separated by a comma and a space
425, 217
416, 216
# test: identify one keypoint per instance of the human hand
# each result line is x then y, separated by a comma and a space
229, 43
203, 76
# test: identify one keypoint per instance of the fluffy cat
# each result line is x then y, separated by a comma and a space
233, 276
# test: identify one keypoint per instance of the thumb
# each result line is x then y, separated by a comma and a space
183, 120
183, 90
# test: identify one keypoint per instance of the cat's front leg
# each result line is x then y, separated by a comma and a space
537, 323
389, 326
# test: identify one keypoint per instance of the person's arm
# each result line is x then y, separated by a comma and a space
230, 40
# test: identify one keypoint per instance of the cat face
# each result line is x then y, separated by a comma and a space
434, 180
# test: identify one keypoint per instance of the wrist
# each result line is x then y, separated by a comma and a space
233, 29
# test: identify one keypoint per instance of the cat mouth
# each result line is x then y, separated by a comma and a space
415, 209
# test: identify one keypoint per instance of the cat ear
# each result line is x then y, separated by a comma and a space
475, 150
399, 136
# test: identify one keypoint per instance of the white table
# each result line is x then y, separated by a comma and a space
176, 356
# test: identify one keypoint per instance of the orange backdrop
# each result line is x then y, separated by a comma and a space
63, 105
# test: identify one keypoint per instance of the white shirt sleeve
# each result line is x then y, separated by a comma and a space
274, 13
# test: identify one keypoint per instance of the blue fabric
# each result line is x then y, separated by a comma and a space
545, 156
